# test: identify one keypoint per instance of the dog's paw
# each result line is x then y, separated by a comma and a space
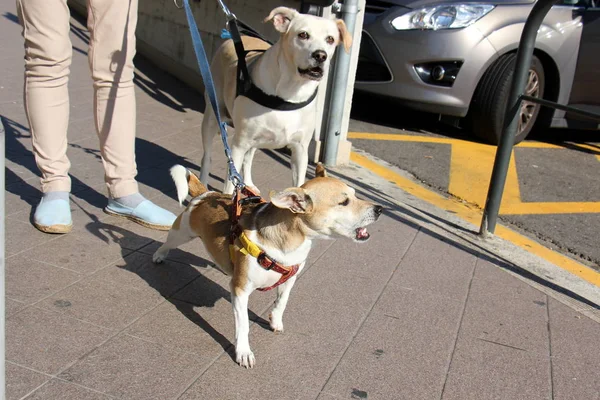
276, 324
245, 358
158, 257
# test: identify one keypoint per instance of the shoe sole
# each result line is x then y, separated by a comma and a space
54, 228
138, 221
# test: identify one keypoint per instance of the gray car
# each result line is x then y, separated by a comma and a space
456, 58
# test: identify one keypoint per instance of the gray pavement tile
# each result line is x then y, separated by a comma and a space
60, 390
174, 147
482, 370
138, 270
157, 185
576, 378
16, 126
81, 250
127, 367
21, 197
11, 87
575, 353
86, 175
82, 131
436, 265
402, 350
105, 303
84, 147
205, 330
120, 231
325, 307
88, 206
21, 168
505, 310
29, 281
16, 230
12, 306
21, 381
192, 253
48, 341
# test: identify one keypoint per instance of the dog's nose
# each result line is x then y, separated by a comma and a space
320, 56
378, 210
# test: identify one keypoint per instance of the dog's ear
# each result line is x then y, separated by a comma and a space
294, 199
345, 36
282, 16
320, 171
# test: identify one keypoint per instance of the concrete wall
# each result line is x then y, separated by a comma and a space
163, 37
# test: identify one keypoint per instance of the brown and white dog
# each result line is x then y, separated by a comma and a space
291, 70
284, 229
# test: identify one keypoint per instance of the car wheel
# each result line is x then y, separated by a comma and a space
486, 113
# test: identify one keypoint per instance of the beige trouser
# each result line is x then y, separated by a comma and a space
48, 52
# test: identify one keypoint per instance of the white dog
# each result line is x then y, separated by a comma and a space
289, 70
272, 236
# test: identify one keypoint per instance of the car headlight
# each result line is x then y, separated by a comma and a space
446, 16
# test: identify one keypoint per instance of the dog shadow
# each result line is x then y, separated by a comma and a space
173, 277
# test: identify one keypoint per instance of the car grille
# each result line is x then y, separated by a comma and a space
371, 64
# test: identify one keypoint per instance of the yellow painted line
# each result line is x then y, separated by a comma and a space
428, 139
538, 145
471, 169
400, 138
594, 148
470, 172
474, 216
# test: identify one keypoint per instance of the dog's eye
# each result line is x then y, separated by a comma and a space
303, 35
330, 40
345, 202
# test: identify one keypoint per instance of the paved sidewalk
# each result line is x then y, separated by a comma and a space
419, 312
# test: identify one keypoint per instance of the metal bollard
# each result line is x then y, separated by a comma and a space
503, 154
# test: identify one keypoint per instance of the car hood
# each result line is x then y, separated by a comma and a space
423, 3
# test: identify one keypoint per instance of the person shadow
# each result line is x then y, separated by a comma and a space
180, 272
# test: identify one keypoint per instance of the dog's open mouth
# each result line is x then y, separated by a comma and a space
315, 73
362, 234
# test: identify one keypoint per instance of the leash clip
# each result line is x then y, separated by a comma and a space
228, 13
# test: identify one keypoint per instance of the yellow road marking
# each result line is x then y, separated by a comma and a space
474, 216
428, 139
470, 172
593, 149
471, 169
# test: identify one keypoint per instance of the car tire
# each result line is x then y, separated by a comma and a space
488, 107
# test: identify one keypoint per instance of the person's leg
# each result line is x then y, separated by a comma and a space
47, 60
112, 47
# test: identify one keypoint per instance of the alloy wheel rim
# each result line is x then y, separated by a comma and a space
529, 108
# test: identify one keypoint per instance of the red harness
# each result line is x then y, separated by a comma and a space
262, 258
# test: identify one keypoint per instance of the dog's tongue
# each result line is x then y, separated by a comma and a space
361, 233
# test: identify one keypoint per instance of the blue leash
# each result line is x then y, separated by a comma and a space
209, 86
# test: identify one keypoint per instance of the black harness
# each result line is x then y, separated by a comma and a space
245, 87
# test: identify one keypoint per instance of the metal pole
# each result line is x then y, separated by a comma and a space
338, 88
503, 154
2, 270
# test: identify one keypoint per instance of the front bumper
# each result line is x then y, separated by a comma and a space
388, 58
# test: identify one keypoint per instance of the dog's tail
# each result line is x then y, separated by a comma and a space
186, 182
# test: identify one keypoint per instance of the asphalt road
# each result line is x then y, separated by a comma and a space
556, 176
